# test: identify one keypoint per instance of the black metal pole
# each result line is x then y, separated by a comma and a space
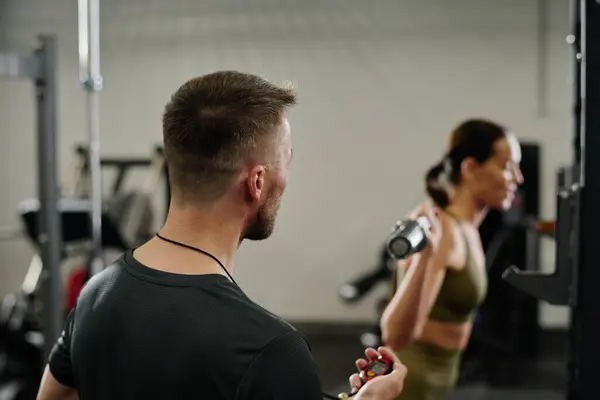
574, 39
585, 329
50, 229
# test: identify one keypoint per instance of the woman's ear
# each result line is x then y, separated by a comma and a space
468, 168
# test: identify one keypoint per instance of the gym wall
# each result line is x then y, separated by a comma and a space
381, 84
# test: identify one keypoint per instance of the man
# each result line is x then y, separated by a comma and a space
167, 320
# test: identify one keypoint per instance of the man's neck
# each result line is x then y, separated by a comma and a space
214, 232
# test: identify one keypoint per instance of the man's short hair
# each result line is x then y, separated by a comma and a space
214, 124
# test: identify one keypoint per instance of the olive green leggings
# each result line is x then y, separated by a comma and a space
432, 371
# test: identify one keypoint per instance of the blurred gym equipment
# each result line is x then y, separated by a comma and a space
574, 282
74, 222
355, 290
127, 221
40, 67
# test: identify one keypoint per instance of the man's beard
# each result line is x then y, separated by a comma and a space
262, 225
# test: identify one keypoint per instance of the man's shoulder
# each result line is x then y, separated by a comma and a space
99, 288
262, 322
101, 281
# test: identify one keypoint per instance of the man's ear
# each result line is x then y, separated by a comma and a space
256, 181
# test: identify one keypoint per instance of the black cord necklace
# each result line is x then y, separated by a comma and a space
206, 253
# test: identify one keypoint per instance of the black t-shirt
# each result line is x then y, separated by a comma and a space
140, 333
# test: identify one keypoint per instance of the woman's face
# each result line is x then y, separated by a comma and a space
495, 182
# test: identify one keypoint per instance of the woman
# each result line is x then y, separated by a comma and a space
429, 319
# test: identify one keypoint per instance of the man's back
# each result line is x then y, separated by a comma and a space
140, 333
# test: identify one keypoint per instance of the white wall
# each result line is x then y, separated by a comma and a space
381, 83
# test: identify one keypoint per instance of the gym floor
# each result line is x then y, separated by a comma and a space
544, 379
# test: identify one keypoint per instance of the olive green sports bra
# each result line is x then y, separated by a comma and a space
461, 292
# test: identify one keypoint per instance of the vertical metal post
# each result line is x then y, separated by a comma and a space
50, 224
89, 63
574, 39
542, 57
585, 330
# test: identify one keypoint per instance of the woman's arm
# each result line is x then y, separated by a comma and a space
407, 312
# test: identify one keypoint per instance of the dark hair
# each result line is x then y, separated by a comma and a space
473, 138
213, 124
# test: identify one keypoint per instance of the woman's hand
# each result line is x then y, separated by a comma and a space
439, 235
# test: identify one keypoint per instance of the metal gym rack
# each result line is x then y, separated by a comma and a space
575, 282
40, 67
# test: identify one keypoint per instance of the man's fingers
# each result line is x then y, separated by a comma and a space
396, 375
361, 363
355, 382
386, 386
371, 353
384, 351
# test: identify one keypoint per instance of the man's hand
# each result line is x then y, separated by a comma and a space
386, 387
51, 389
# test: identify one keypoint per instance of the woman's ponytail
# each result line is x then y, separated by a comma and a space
434, 188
